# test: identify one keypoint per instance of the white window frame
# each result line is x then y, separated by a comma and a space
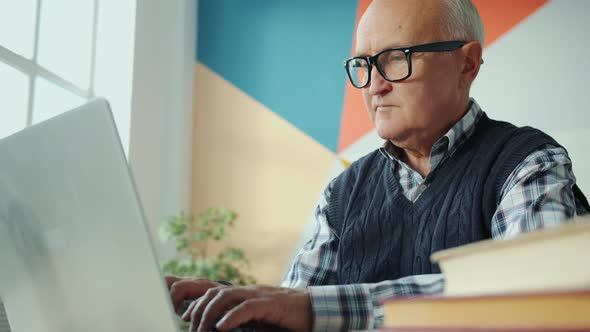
160, 149
161, 105
33, 69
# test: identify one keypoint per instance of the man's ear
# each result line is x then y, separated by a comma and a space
471, 61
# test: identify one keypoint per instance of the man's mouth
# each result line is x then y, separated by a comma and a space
382, 108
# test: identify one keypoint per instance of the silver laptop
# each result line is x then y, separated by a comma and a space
75, 252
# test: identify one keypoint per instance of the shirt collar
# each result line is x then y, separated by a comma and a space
447, 144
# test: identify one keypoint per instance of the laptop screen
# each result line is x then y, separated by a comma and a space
75, 252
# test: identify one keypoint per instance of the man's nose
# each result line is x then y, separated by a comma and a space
378, 85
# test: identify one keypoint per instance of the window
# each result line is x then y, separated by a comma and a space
57, 54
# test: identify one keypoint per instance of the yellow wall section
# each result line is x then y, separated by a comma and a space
249, 159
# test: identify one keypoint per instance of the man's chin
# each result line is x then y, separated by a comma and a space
397, 136
388, 137
387, 131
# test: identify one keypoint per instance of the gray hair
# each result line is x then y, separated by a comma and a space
462, 21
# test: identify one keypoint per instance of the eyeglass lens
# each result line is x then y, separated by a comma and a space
393, 64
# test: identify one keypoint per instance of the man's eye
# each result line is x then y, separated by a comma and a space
396, 58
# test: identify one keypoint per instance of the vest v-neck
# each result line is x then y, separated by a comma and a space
431, 181
384, 236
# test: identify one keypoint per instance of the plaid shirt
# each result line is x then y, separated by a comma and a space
537, 194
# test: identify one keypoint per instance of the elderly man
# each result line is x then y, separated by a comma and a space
447, 175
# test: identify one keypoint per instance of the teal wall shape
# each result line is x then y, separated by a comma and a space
287, 54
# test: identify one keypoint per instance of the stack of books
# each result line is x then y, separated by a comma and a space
536, 281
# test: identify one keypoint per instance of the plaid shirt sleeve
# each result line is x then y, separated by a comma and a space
345, 307
535, 195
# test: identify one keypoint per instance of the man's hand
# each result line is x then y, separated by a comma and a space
228, 307
187, 289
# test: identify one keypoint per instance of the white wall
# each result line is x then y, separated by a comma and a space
114, 61
162, 105
537, 75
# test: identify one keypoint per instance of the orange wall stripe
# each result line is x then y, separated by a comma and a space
355, 121
500, 16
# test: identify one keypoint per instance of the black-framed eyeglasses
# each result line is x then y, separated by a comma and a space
394, 64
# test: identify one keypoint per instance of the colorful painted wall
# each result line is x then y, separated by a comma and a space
275, 119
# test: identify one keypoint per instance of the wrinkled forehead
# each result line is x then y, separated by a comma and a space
395, 23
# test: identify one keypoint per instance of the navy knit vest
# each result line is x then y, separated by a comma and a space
384, 236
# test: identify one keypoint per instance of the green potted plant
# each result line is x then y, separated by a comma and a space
194, 237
